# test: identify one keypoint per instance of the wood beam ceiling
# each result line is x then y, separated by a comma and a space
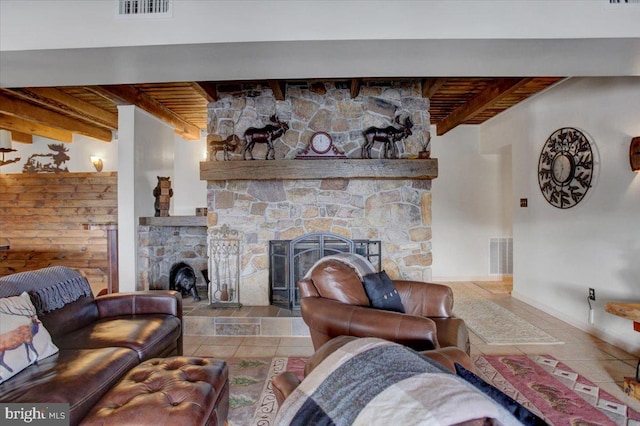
59, 112
128, 95
492, 94
13, 106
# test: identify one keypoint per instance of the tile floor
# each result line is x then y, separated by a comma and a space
602, 363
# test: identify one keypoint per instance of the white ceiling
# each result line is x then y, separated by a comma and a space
57, 42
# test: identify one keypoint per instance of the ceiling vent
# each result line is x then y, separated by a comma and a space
156, 8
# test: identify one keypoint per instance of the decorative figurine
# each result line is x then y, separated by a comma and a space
227, 146
60, 157
183, 279
388, 135
266, 134
163, 194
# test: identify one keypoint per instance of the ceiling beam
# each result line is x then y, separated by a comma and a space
21, 137
206, 89
126, 94
430, 86
495, 91
57, 100
20, 126
16, 107
279, 89
354, 90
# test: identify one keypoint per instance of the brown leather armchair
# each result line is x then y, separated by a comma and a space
334, 303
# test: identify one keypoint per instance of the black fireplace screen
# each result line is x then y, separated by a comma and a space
289, 260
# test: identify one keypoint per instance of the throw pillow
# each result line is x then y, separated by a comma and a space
511, 405
381, 292
23, 338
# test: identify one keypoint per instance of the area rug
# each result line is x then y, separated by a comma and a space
251, 398
494, 324
554, 391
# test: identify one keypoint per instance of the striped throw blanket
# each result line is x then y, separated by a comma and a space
371, 381
49, 288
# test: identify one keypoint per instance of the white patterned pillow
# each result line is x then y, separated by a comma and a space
23, 338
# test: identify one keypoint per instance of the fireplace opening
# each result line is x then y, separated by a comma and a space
289, 261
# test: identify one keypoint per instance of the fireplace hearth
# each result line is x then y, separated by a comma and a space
291, 259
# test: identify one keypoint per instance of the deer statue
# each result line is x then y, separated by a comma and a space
21, 335
266, 134
388, 135
229, 145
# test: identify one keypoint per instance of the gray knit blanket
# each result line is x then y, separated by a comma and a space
49, 288
371, 381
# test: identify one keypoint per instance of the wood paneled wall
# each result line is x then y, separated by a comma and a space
43, 218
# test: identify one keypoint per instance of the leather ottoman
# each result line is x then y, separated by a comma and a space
167, 391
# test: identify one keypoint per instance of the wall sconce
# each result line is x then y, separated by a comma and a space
634, 154
97, 163
5, 147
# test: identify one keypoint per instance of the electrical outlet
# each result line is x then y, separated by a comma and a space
592, 294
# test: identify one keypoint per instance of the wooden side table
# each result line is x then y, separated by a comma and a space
630, 311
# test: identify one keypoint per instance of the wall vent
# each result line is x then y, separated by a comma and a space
501, 256
144, 7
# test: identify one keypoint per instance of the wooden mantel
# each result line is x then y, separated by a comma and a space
319, 169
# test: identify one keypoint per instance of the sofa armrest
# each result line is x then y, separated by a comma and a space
138, 303
425, 299
328, 318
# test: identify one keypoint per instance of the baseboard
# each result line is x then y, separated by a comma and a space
618, 341
473, 278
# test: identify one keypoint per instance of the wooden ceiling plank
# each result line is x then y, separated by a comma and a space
430, 86
28, 111
484, 100
19, 126
207, 90
354, 90
62, 102
279, 89
128, 95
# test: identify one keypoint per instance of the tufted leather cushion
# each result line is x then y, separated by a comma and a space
167, 391
337, 281
77, 377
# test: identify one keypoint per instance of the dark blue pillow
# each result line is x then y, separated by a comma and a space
381, 292
520, 412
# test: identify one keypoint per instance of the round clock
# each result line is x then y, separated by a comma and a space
565, 167
320, 142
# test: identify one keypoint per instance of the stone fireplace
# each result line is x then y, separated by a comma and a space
283, 199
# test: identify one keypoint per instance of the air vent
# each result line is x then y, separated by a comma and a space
144, 7
624, 1
501, 256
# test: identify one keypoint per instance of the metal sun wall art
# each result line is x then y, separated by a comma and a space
566, 167
224, 267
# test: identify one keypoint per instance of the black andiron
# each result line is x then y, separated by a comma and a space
388, 135
224, 267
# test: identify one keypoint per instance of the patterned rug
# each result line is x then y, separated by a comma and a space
251, 399
554, 391
497, 287
494, 324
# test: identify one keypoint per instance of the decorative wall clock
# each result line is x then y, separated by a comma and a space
320, 146
566, 167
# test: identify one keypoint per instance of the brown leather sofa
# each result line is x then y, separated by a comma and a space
100, 340
334, 303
